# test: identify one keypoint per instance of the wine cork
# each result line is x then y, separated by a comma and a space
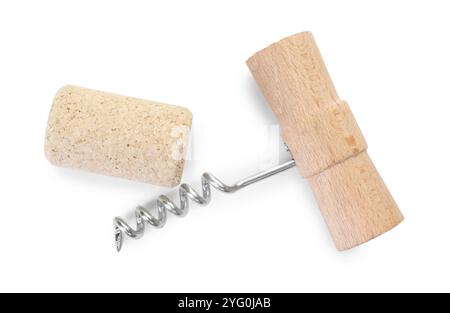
325, 141
119, 136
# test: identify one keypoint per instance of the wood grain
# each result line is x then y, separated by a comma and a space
325, 140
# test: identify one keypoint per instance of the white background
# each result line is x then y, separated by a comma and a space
388, 59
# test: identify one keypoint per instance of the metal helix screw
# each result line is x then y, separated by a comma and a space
186, 193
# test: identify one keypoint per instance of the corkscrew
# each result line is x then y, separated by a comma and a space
324, 139
186, 193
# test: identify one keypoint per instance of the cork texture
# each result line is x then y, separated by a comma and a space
118, 136
325, 141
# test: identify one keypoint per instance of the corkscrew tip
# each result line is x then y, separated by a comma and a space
118, 238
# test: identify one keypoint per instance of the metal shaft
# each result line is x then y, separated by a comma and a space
186, 192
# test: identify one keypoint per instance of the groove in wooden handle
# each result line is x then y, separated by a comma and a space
324, 138
325, 141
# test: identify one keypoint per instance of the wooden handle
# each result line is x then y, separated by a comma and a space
325, 141
117, 135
